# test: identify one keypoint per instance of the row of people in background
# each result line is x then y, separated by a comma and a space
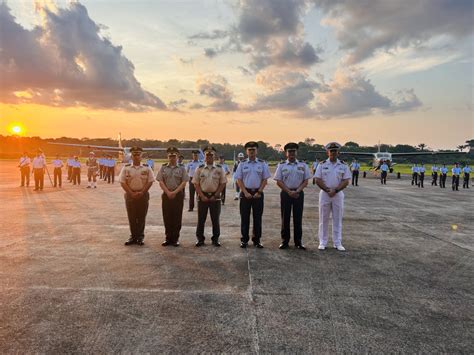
418, 175
208, 180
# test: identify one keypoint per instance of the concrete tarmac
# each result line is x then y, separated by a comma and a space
69, 285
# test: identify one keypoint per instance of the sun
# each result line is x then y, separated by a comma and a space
16, 129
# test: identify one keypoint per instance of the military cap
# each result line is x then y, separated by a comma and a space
91, 153
291, 146
135, 149
209, 148
172, 150
332, 145
251, 144
240, 155
195, 151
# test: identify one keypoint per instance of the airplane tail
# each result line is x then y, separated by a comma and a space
120, 140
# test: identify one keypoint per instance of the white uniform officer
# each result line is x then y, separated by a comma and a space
383, 176
456, 172
332, 176
39, 166
24, 166
190, 169
292, 177
58, 171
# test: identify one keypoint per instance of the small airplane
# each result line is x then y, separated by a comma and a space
124, 152
380, 157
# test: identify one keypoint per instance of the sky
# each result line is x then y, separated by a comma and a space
398, 72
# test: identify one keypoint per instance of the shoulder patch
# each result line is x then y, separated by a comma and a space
145, 164
201, 166
219, 165
128, 164
165, 164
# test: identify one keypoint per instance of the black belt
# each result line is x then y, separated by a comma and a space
252, 191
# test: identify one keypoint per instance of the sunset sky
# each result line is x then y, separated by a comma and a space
233, 71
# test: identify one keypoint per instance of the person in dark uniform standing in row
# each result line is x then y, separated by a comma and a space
251, 176
467, 171
355, 167
226, 169
414, 174
136, 179
421, 170
190, 169
384, 171
76, 171
434, 175
69, 167
58, 171
39, 165
24, 166
456, 171
292, 177
172, 178
443, 174
209, 180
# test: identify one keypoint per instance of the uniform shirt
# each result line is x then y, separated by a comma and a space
91, 164
456, 171
111, 163
415, 169
466, 170
209, 177
384, 167
355, 166
76, 164
136, 176
150, 163
38, 163
24, 161
70, 162
252, 172
226, 168
434, 169
315, 165
192, 166
58, 163
292, 174
444, 170
421, 169
332, 173
172, 176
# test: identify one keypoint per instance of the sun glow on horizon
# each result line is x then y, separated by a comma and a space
16, 129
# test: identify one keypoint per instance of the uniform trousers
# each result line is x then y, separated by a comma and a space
69, 173
455, 182
110, 175
330, 206
172, 215
383, 178
39, 178
25, 175
414, 179
442, 181
214, 208
465, 183
434, 180
287, 205
76, 176
58, 178
422, 179
91, 174
254, 206
192, 193
137, 209
355, 177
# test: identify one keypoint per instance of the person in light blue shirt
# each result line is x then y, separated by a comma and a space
314, 166
226, 169
251, 175
383, 176
434, 175
466, 170
421, 171
292, 177
442, 177
190, 169
414, 174
456, 171
355, 167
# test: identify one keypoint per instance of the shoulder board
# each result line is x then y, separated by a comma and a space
144, 164
219, 165
165, 164
128, 164
201, 165
261, 160
180, 164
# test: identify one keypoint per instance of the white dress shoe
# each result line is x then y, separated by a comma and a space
321, 247
340, 248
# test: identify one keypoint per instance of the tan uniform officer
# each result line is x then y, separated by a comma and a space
173, 179
136, 179
209, 180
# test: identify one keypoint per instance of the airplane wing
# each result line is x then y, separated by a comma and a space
362, 154
163, 149
101, 147
427, 153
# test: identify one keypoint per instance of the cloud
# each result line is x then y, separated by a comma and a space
216, 88
210, 52
385, 25
175, 105
351, 94
66, 62
215, 34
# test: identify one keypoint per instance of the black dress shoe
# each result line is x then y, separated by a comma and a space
165, 243
258, 245
175, 244
130, 241
216, 243
300, 246
190, 210
243, 245
283, 246
199, 244
140, 242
